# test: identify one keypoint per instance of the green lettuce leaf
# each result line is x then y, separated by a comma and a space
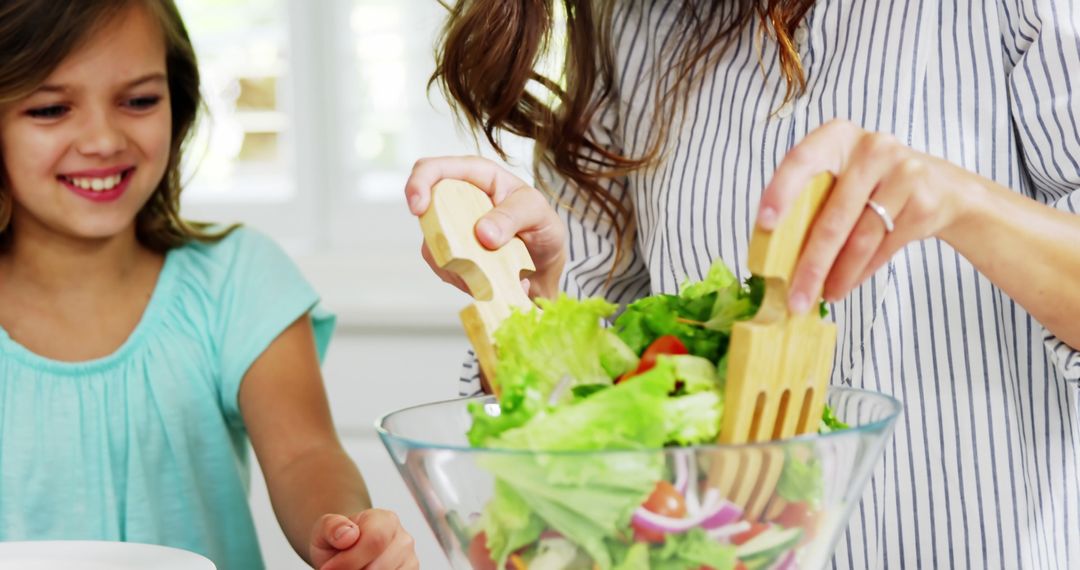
546, 353
830, 422
801, 477
719, 277
509, 523
537, 349
634, 557
649, 318
701, 315
588, 499
624, 416
694, 373
690, 551
693, 419
733, 303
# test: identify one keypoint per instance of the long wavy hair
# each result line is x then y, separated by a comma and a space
489, 52
37, 35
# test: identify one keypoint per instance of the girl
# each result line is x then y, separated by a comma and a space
677, 125
139, 352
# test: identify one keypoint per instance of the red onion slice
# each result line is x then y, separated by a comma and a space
722, 514
682, 472
724, 533
714, 514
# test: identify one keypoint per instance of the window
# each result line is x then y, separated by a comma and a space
317, 111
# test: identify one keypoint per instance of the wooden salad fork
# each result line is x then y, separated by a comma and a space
778, 364
493, 277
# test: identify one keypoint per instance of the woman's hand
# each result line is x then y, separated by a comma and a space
519, 210
922, 196
372, 540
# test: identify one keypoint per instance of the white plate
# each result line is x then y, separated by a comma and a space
93, 555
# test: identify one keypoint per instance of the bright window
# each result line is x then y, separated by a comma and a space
318, 109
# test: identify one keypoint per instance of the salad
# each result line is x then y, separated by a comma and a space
654, 380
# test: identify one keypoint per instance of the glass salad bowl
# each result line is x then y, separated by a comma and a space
777, 505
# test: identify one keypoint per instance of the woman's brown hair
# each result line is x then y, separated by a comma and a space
37, 35
489, 52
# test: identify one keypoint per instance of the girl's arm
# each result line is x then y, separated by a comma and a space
317, 492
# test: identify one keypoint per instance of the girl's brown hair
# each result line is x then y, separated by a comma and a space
489, 52
37, 35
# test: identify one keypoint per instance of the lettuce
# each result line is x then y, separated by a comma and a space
544, 356
701, 315
691, 551
801, 480
587, 498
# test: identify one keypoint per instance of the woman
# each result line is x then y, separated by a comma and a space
685, 122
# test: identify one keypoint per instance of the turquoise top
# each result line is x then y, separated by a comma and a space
147, 444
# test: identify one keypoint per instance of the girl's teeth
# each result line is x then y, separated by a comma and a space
97, 184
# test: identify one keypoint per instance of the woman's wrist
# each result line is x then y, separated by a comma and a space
975, 206
545, 284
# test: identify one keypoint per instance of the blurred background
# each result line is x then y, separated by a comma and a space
317, 111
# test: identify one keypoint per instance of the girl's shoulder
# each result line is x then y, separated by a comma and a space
243, 256
242, 277
236, 245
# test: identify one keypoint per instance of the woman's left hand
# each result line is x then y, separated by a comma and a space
372, 540
921, 196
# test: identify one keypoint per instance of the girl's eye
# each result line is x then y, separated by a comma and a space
50, 112
143, 103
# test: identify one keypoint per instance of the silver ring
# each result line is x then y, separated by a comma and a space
883, 214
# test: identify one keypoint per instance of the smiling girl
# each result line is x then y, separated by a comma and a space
139, 353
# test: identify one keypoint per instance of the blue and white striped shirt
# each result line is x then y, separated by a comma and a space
983, 470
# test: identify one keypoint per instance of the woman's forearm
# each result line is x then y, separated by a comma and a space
322, 480
1029, 250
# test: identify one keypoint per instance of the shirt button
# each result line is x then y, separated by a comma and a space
785, 111
801, 35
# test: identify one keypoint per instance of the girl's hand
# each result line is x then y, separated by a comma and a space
921, 195
519, 210
373, 540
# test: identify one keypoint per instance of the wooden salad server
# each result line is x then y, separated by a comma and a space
778, 364
493, 277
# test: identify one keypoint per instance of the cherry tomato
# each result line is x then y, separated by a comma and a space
479, 556
665, 500
739, 565
754, 530
667, 344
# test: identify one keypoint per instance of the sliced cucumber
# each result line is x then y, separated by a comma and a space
766, 547
556, 554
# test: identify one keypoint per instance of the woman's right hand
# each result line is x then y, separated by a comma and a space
520, 210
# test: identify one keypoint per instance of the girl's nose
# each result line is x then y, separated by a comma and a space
101, 137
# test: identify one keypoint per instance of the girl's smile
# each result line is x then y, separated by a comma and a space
100, 185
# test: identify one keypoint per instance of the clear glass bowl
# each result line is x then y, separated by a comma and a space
738, 495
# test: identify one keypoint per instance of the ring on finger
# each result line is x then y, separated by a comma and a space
883, 214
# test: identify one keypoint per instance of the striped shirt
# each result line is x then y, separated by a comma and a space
983, 470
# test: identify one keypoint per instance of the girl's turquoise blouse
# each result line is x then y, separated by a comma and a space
148, 445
